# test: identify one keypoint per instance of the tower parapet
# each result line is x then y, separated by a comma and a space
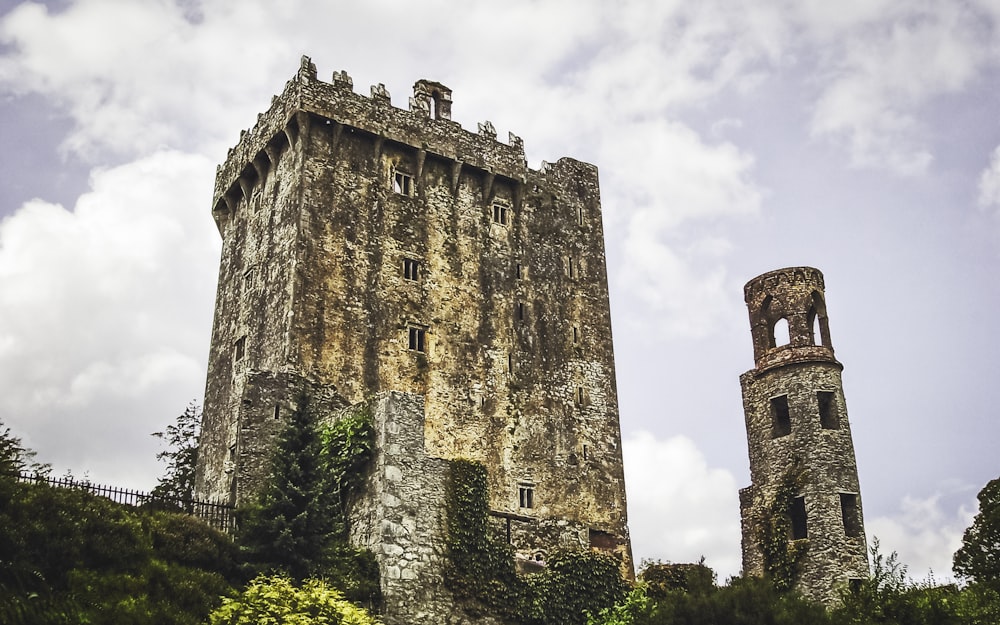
796, 419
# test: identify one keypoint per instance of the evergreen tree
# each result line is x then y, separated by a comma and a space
177, 483
16, 458
290, 528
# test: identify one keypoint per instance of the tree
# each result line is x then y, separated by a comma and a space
290, 528
177, 483
979, 557
15, 458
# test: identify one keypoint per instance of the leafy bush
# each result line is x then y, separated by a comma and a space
277, 600
73, 557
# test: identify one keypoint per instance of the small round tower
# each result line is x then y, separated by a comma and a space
804, 477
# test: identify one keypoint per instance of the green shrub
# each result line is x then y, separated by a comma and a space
276, 600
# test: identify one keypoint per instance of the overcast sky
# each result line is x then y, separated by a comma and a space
861, 137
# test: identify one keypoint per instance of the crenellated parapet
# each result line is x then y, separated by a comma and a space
427, 124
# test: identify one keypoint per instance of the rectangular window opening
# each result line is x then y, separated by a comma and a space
579, 216
248, 280
569, 267
585, 452
828, 418
510, 364
518, 272
576, 335
579, 396
277, 411
240, 348
411, 269
798, 514
852, 515
402, 183
520, 311
416, 339
500, 211
781, 422
526, 496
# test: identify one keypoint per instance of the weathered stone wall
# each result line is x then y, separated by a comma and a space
326, 206
813, 430
401, 515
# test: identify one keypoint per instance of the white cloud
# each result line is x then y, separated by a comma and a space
667, 178
680, 509
105, 312
989, 183
924, 534
891, 63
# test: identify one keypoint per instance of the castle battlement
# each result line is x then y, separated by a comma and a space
427, 124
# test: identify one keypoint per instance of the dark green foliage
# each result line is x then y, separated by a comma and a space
480, 565
780, 554
73, 557
189, 541
743, 601
979, 557
481, 570
290, 525
298, 525
177, 483
573, 584
16, 458
660, 578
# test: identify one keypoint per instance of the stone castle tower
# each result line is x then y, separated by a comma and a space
377, 254
796, 420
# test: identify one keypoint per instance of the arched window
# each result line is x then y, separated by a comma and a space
779, 333
818, 324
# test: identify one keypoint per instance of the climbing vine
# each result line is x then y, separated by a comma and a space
782, 556
481, 568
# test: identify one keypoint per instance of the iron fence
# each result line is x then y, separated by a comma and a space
216, 514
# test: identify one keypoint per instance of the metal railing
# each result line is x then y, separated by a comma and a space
216, 514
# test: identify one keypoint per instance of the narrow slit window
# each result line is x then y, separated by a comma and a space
585, 452
579, 216
277, 411
781, 421
569, 267
411, 269
416, 339
240, 348
798, 514
520, 311
402, 183
510, 363
518, 272
576, 335
828, 418
526, 496
248, 280
851, 514
579, 396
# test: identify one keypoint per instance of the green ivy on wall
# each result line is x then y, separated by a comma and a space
782, 556
481, 570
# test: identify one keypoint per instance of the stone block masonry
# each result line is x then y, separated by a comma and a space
369, 249
796, 417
